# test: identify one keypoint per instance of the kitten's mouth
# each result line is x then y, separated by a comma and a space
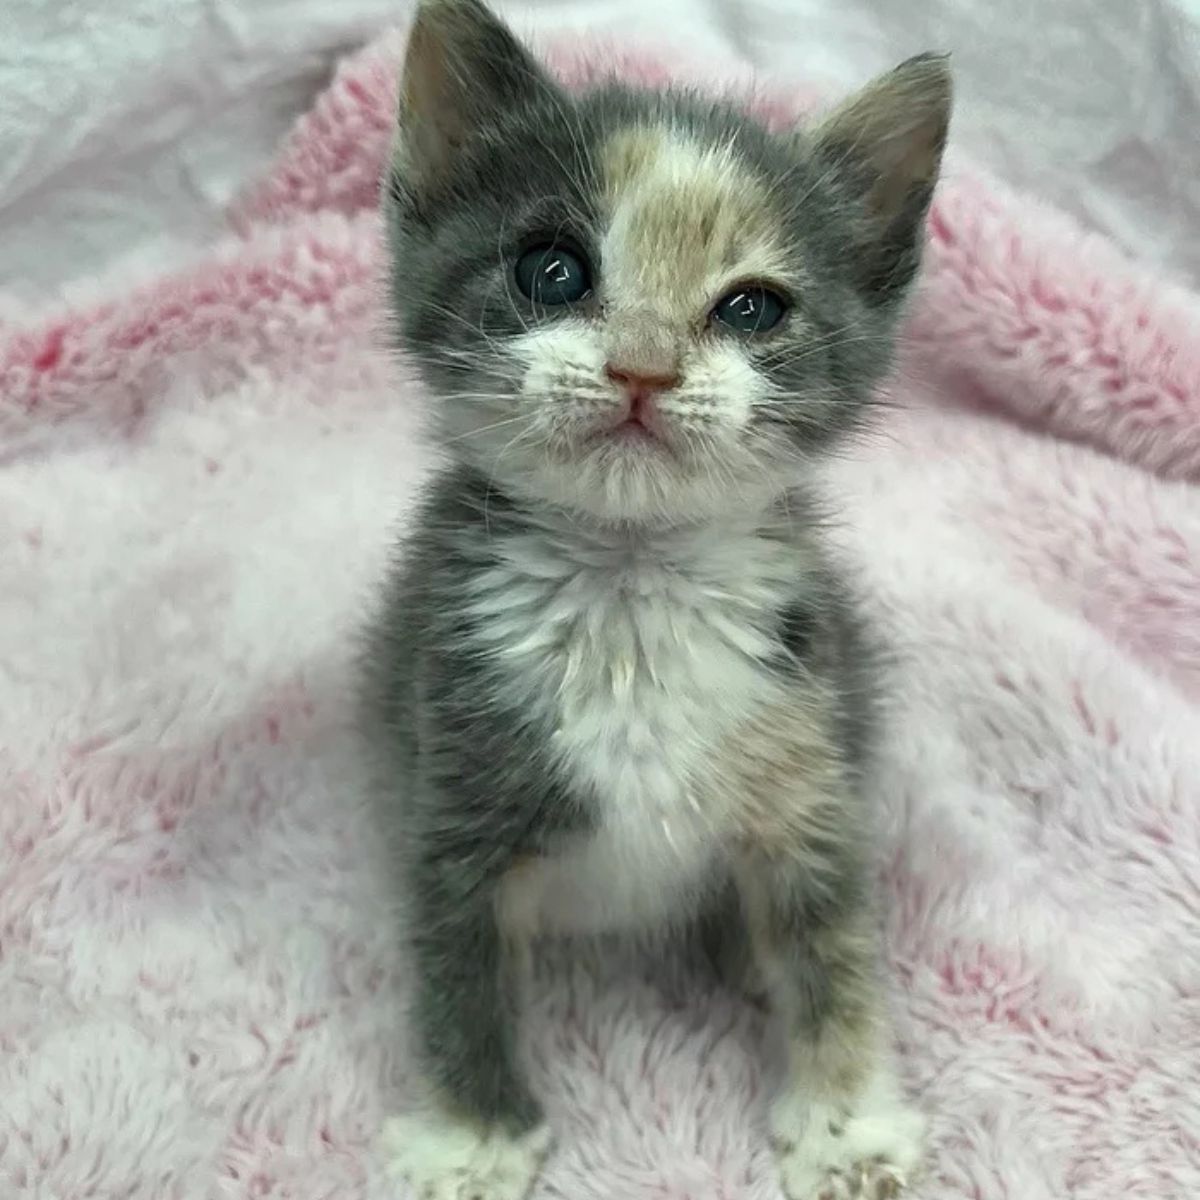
641, 424
630, 435
634, 429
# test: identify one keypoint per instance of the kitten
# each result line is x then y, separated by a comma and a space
616, 681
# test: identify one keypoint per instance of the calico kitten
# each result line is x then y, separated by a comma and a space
616, 681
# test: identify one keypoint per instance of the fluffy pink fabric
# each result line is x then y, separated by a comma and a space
198, 988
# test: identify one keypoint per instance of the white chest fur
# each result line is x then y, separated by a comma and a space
642, 653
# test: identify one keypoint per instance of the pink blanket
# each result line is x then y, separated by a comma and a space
199, 478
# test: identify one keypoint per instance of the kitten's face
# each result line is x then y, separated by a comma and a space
641, 307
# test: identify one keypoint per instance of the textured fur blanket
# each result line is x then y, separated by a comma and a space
199, 477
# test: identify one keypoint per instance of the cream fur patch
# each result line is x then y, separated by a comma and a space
785, 770
686, 222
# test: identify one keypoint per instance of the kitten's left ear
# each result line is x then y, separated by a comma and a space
885, 145
463, 67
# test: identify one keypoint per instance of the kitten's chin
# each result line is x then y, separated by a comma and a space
645, 483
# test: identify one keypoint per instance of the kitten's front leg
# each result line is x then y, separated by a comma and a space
482, 1136
840, 1127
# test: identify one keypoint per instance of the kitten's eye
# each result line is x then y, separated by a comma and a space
750, 309
553, 275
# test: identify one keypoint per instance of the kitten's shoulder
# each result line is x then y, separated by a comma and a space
422, 587
824, 628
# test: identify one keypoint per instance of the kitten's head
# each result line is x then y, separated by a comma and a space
644, 306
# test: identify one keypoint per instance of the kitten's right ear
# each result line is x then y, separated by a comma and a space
463, 65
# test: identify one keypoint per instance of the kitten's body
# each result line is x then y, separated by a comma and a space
617, 682
627, 676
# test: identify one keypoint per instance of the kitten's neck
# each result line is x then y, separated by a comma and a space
735, 572
575, 540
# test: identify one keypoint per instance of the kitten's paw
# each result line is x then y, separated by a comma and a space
443, 1158
824, 1154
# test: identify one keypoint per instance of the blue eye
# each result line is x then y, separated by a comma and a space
553, 275
750, 309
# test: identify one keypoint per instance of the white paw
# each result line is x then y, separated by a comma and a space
826, 1153
443, 1158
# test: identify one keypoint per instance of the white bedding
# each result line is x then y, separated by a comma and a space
125, 127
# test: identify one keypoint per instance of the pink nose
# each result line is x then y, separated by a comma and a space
638, 383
